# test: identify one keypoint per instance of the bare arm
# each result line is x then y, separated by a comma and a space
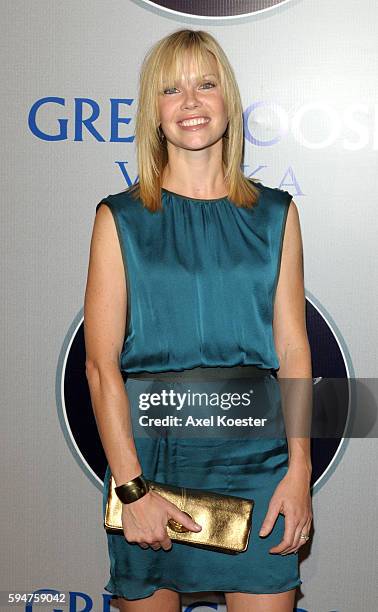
291, 341
145, 520
292, 495
105, 307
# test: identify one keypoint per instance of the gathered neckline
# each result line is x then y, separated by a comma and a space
179, 195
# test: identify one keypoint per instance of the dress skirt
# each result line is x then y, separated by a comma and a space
232, 455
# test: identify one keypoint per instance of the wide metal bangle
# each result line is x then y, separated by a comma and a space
132, 490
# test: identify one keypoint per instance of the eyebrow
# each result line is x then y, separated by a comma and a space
203, 76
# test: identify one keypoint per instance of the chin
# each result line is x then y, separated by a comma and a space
200, 143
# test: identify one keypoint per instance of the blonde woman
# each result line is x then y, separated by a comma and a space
195, 274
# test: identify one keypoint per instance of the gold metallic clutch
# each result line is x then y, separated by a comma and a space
226, 520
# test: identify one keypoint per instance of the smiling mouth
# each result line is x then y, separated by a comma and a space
194, 122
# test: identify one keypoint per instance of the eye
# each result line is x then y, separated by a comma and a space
208, 83
168, 90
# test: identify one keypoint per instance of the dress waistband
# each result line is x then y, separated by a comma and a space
205, 373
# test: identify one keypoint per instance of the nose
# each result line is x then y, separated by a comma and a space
190, 99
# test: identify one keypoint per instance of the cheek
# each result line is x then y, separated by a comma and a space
220, 106
165, 109
162, 110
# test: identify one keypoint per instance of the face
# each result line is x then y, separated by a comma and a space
192, 113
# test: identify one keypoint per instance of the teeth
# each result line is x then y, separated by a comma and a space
194, 121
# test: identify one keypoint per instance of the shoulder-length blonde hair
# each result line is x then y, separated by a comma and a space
161, 68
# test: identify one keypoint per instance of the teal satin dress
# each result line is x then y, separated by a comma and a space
201, 278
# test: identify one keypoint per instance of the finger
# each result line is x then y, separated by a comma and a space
143, 545
298, 542
184, 519
166, 544
269, 520
155, 545
301, 528
306, 530
288, 537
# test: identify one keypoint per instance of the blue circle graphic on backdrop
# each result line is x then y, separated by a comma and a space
215, 9
329, 365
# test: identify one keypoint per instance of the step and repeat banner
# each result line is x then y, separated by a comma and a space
307, 73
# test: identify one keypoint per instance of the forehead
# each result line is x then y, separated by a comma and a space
187, 66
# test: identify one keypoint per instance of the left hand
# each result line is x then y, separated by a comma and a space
292, 499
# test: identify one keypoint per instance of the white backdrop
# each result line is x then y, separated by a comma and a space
310, 69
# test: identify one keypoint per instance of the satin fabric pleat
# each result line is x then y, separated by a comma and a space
201, 277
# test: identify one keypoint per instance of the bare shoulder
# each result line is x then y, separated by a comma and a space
104, 215
293, 214
104, 235
292, 238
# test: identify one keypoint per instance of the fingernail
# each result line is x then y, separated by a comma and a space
262, 532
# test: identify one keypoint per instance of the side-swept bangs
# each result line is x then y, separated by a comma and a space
174, 65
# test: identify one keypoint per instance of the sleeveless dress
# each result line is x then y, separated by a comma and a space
201, 277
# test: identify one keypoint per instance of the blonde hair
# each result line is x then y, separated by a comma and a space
162, 67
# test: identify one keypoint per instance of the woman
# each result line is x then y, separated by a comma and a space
196, 269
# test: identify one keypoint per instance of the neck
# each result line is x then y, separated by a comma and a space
197, 174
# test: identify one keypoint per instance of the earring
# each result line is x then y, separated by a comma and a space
161, 134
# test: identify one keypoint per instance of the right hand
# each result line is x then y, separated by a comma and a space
144, 521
